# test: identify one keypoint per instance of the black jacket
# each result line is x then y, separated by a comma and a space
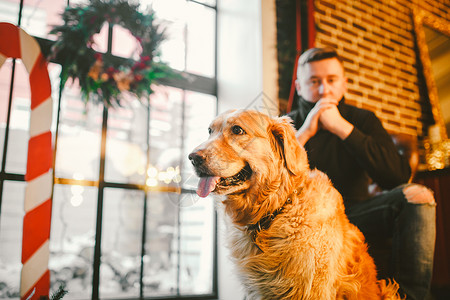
368, 152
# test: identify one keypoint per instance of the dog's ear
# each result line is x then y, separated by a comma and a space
286, 144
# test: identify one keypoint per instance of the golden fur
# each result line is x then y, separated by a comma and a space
310, 250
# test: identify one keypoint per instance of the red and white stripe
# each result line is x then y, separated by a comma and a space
35, 277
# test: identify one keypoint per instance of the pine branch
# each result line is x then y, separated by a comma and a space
60, 293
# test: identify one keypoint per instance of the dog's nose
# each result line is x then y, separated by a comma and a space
196, 159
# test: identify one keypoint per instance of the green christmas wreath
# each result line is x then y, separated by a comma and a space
104, 77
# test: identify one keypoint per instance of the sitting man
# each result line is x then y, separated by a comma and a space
351, 146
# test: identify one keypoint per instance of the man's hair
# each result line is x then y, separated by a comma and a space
316, 54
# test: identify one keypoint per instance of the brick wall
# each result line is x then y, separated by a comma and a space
377, 42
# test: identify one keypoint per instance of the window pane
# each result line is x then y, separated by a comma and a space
196, 246
125, 44
200, 39
123, 213
79, 2
101, 39
72, 239
207, 2
196, 130
16, 159
78, 149
126, 147
161, 259
165, 136
190, 30
9, 11
11, 224
39, 16
5, 81
53, 72
174, 46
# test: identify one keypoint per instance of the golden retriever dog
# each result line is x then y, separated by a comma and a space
289, 235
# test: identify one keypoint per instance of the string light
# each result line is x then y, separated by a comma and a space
156, 176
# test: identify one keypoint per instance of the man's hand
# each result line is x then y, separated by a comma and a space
331, 120
325, 114
311, 124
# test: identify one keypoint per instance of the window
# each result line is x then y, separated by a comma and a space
135, 203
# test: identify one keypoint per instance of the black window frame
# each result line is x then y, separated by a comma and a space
195, 83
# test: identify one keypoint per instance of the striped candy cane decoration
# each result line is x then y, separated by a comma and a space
35, 277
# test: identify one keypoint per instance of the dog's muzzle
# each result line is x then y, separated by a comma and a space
207, 182
196, 159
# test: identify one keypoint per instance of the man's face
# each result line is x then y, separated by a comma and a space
321, 79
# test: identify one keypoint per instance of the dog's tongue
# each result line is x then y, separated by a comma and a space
206, 185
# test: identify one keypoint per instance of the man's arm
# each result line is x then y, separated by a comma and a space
372, 145
375, 151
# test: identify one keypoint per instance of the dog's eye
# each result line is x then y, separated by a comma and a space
237, 129
209, 130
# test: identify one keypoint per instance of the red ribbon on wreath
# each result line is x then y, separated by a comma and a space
35, 276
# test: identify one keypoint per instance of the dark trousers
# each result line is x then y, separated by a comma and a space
401, 238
